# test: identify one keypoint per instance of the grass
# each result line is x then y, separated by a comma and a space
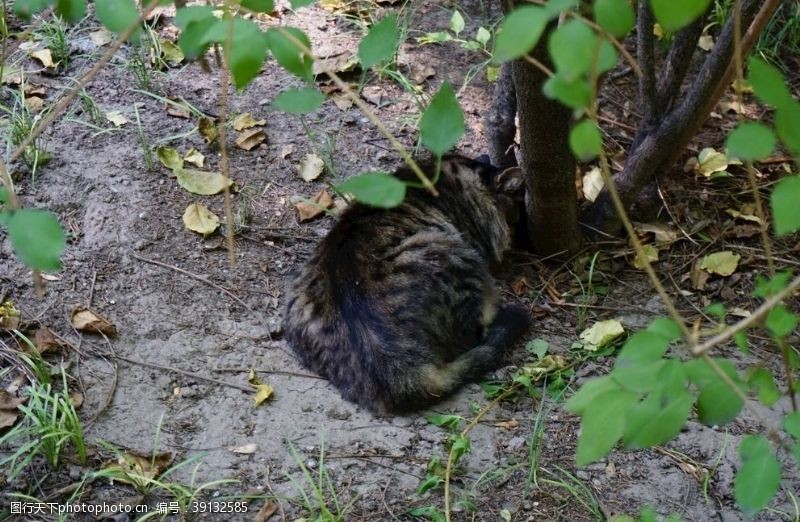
141, 138
53, 34
20, 125
781, 37
318, 495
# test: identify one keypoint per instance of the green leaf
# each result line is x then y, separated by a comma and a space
380, 42
428, 513
289, 56
575, 94
297, 4
248, 51
780, 321
451, 422
520, 32
573, 48
762, 380
585, 140
603, 424
456, 22
657, 419
71, 10
299, 101
377, 189
717, 310
538, 347
460, 445
482, 36
787, 124
116, 15
740, 338
37, 238
615, 16
430, 482
717, 404
751, 141
583, 398
767, 287
666, 328
641, 377
259, 6
3, 195
672, 378
768, 83
201, 182
199, 28
791, 423
785, 210
25, 8
642, 347
675, 14
442, 123
759, 477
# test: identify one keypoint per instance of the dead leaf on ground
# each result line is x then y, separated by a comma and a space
601, 334
661, 233
34, 104
194, 157
343, 62
9, 402
332, 5
201, 182
85, 320
711, 163
11, 76
746, 213
721, 263
45, 341
373, 94
263, 391
117, 118
45, 57
311, 167
648, 253
207, 129
307, 210
9, 316
250, 139
169, 157
246, 121
734, 106
178, 110
592, 184
698, 278
138, 469
31, 89
286, 151
171, 52
101, 37
342, 102
706, 42
420, 72
8, 418
547, 365
198, 218
76, 399
745, 231
247, 449
266, 512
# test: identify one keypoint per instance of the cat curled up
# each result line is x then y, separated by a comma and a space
397, 307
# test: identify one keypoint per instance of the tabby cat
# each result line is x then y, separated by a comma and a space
397, 308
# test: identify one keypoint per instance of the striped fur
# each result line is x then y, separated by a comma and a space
397, 308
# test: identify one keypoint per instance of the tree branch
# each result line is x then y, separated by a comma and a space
499, 125
645, 54
677, 63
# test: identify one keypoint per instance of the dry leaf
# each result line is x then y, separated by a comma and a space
521, 286
310, 209
34, 104
592, 184
373, 94
246, 121
45, 57
311, 167
45, 341
198, 218
661, 233
194, 157
601, 333
116, 118
34, 90
207, 129
9, 402
249, 139
9, 316
11, 76
8, 418
342, 102
85, 320
721, 263
76, 399
178, 110
698, 278
171, 52
266, 512
263, 391
747, 213
706, 42
733, 106
101, 37
648, 253
548, 364
286, 151
137, 469
247, 449
201, 182
420, 72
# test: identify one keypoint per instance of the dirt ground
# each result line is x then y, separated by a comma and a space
225, 320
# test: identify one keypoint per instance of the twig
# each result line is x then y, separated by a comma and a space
193, 375
700, 349
223, 135
241, 369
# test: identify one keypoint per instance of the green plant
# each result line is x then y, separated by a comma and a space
53, 34
49, 425
21, 122
147, 151
322, 502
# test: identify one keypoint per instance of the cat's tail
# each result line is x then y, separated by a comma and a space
434, 382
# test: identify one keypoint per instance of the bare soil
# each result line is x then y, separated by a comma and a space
177, 332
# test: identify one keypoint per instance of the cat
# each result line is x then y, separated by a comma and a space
397, 307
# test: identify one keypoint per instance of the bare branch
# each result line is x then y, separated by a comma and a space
645, 53
677, 63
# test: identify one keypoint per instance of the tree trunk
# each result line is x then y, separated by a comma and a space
499, 125
546, 160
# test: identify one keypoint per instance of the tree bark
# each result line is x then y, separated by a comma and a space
658, 149
499, 124
547, 163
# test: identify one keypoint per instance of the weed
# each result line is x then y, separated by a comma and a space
322, 501
49, 425
90, 109
53, 34
141, 138
563, 479
781, 36
21, 123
